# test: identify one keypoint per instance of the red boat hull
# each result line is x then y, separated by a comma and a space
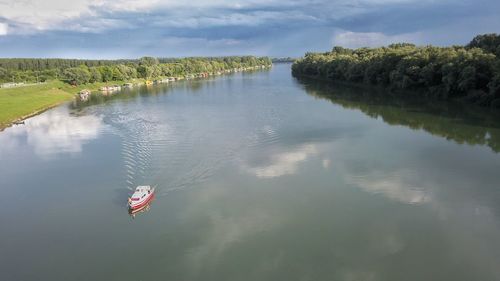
141, 205
135, 211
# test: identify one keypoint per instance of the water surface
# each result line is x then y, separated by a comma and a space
259, 177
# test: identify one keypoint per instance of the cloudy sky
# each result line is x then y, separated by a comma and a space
134, 28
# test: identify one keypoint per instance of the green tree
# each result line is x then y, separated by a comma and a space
77, 75
148, 61
95, 75
488, 42
106, 73
144, 71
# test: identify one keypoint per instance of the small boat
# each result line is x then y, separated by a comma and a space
142, 196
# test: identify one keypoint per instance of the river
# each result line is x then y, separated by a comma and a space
259, 176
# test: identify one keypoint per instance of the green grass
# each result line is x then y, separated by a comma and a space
21, 102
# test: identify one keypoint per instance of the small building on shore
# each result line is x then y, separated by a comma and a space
111, 88
12, 85
84, 95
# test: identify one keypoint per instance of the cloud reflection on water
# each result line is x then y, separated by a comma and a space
53, 132
283, 163
395, 186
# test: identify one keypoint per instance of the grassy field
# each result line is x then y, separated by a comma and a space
21, 102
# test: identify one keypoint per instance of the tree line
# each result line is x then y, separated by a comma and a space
283, 60
471, 72
85, 71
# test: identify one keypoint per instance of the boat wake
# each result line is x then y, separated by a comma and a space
178, 149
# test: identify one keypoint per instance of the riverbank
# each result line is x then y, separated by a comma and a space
20, 103
17, 104
468, 73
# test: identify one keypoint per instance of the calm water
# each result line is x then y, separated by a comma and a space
259, 177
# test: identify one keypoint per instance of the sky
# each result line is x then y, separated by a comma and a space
110, 29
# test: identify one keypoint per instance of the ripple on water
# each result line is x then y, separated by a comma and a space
169, 150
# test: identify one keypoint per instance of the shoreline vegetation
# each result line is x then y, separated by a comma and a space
468, 73
62, 81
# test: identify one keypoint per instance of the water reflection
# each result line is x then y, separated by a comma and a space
398, 221
280, 163
460, 123
53, 132
451, 179
144, 209
224, 232
125, 94
131, 94
401, 185
257, 177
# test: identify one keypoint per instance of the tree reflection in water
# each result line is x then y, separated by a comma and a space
451, 120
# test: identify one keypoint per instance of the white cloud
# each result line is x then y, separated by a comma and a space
41, 15
36, 15
373, 39
4, 28
126, 5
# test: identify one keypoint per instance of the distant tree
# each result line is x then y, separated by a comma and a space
77, 75
341, 50
148, 61
75, 71
118, 75
95, 75
4, 74
494, 86
106, 73
488, 42
401, 45
144, 71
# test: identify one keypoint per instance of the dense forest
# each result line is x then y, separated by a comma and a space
470, 72
84, 71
